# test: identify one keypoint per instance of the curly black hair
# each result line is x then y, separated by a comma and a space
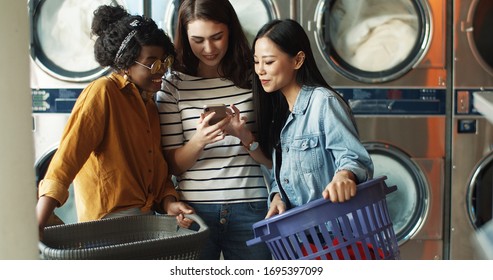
112, 24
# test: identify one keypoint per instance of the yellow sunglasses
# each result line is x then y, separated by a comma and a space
158, 64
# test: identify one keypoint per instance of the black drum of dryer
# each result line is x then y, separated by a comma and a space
67, 212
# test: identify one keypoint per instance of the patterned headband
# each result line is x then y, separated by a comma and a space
127, 39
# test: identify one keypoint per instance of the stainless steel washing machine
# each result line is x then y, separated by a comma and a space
62, 47
404, 132
252, 13
62, 64
388, 59
472, 135
360, 43
47, 131
62, 59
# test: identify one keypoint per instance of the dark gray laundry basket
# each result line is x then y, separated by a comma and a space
130, 238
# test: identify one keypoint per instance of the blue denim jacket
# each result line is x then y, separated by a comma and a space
319, 139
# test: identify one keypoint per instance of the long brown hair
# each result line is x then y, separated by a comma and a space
237, 63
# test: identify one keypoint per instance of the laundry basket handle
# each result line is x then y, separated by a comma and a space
196, 218
373, 181
267, 234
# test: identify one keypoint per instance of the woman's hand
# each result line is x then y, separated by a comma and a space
237, 125
277, 206
341, 188
184, 157
207, 134
179, 209
183, 222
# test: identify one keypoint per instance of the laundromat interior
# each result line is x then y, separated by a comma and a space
417, 74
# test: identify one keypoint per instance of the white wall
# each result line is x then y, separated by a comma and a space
18, 229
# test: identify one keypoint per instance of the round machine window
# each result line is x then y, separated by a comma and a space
409, 204
482, 40
67, 213
374, 41
480, 193
253, 14
62, 44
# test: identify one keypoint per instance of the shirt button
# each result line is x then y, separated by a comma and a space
150, 151
286, 181
150, 170
223, 221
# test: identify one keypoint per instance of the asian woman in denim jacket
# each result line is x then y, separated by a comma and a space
303, 123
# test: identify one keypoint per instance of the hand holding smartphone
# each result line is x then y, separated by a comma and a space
220, 110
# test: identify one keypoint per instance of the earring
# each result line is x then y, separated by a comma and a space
125, 76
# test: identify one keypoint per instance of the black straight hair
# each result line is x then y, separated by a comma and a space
272, 108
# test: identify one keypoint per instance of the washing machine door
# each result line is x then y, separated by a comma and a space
479, 34
409, 204
61, 41
67, 213
253, 14
480, 193
373, 41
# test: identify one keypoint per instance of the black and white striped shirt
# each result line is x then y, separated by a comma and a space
224, 172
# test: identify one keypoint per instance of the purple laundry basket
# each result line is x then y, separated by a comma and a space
360, 228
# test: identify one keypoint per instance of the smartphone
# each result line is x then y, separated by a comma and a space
220, 110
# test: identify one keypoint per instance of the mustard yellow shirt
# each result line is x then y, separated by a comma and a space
111, 150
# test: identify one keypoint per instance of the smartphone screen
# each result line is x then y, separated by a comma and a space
220, 110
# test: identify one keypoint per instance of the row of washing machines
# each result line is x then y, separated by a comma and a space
408, 68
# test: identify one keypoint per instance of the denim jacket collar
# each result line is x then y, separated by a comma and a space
302, 101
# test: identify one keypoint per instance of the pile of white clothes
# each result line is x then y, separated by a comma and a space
373, 35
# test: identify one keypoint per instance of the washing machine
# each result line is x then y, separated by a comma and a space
253, 14
361, 43
388, 60
61, 64
405, 138
472, 134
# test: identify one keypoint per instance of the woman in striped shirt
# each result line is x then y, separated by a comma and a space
217, 166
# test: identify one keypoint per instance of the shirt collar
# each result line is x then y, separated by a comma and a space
302, 100
120, 81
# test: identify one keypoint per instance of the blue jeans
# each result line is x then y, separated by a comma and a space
230, 227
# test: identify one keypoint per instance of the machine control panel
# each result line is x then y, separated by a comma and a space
59, 100
392, 101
